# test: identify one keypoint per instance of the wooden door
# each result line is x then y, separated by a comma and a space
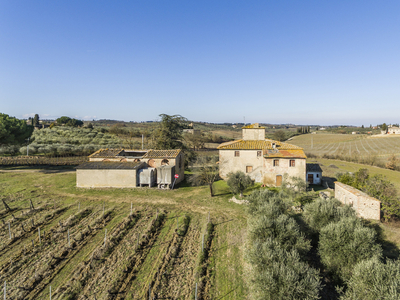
310, 178
278, 180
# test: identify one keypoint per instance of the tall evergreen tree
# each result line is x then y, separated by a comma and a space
168, 135
36, 120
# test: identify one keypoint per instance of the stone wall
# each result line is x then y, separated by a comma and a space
178, 162
106, 178
365, 206
271, 171
228, 162
251, 134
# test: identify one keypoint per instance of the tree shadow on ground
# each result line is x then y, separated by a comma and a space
328, 290
390, 249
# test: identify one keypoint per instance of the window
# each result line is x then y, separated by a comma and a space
249, 169
291, 163
317, 175
276, 162
237, 154
259, 153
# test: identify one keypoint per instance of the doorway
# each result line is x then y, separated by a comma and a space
278, 180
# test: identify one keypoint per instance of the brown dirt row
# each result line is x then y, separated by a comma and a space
177, 279
124, 278
204, 271
170, 248
86, 270
40, 269
30, 233
103, 271
23, 226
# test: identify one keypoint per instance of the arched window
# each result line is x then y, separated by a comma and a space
165, 162
151, 163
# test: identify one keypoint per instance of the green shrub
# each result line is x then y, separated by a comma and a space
344, 244
321, 212
279, 274
373, 279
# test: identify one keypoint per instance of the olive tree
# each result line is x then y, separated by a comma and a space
238, 182
345, 243
373, 279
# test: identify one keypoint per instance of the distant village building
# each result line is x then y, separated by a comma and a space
131, 168
191, 131
264, 160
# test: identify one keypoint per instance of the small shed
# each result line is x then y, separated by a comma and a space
314, 174
108, 174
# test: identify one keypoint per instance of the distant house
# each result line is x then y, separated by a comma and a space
191, 131
131, 168
314, 174
264, 160
393, 130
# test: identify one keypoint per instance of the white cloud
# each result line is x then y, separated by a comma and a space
26, 116
89, 118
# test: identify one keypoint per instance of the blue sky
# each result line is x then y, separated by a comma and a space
302, 62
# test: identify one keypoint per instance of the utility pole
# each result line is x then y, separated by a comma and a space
27, 148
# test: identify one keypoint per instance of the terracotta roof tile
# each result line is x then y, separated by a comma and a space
257, 145
284, 153
109, 165
253, 126
162, 153
106, 153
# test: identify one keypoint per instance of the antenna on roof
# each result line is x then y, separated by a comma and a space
244, 120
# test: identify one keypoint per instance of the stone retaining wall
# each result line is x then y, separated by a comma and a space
365, 206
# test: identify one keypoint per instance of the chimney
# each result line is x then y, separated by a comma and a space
274, 146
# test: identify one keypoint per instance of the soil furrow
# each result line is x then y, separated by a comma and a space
121, 285
25, 231
61, 258
179, 281
87, 269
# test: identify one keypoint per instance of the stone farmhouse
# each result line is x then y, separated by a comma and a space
393, 130
264, 160
124, 168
